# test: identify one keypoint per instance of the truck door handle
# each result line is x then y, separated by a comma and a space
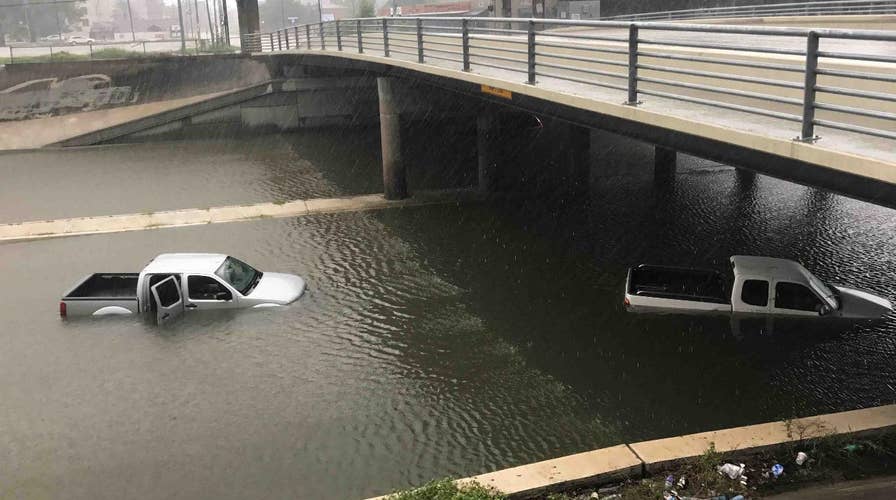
190, 306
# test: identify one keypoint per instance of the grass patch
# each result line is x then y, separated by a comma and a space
447, 489
110, 53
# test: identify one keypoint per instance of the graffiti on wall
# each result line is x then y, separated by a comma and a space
51, 96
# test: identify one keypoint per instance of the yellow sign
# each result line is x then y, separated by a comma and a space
506, 94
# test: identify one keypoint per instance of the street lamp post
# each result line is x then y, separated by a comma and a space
226, 23
131, 19
320, 13
180, 19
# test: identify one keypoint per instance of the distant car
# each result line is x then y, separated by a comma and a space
52, 38
80, 40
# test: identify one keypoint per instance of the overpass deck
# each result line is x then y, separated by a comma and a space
813, 106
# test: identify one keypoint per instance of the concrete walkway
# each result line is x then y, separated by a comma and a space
234, 213
40, 132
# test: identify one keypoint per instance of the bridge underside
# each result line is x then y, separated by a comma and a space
758, 159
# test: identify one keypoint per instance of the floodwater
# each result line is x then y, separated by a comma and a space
434, 341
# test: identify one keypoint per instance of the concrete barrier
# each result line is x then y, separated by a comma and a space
634, 460
195, 216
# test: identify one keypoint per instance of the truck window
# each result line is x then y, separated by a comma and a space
755, 293
795, 296
168, 294
205, 288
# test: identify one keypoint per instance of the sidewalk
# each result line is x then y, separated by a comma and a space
39, 132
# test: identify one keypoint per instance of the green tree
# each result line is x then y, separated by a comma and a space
24, 21
365, 9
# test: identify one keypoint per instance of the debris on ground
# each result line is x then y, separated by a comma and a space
731, 470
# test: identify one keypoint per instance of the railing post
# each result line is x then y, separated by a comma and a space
360, 39
271, 37
89, 44
323, 44
286, 37
419, 40
385, 37
279, 40
295, 35
465, 42
338, 36
531, 51
632, 65
808, 133
308, 35
11, 58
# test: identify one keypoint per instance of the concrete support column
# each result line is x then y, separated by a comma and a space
247, 14
395, 182
664, 160
487, 151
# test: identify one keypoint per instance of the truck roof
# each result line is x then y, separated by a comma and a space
782, 269
199, 263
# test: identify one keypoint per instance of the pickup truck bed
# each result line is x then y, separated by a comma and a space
102, 294
678, 283
106, 285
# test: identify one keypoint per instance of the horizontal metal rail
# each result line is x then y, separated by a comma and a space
582, 59
649, 62
771, 10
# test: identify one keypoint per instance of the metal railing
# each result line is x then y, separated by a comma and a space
21, 53
841, 79
825, 8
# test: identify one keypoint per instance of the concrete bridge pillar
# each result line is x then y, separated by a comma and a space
395, 184
247, 14
664, 160
487, 151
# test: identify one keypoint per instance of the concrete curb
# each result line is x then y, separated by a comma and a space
233, 213
634, 460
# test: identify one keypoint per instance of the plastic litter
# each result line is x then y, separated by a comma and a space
738, 497
777, 470
670, 481
851, 448
682, 483
595, 495
731, 470
801, 458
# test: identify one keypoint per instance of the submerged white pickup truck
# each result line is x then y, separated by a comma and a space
754, 286
174, 282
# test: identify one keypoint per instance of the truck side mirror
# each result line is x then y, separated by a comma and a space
221, 296
825, 310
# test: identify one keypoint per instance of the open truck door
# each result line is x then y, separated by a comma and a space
169, 300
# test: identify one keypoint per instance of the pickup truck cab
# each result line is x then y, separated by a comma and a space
754, 286
175, 282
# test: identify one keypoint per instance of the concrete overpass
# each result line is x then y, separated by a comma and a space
817, 107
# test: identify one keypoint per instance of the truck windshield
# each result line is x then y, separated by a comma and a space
239, 274
826, 293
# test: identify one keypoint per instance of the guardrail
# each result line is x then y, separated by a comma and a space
826, 8
99, 50
808, 77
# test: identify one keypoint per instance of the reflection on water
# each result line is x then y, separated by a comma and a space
433, 340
